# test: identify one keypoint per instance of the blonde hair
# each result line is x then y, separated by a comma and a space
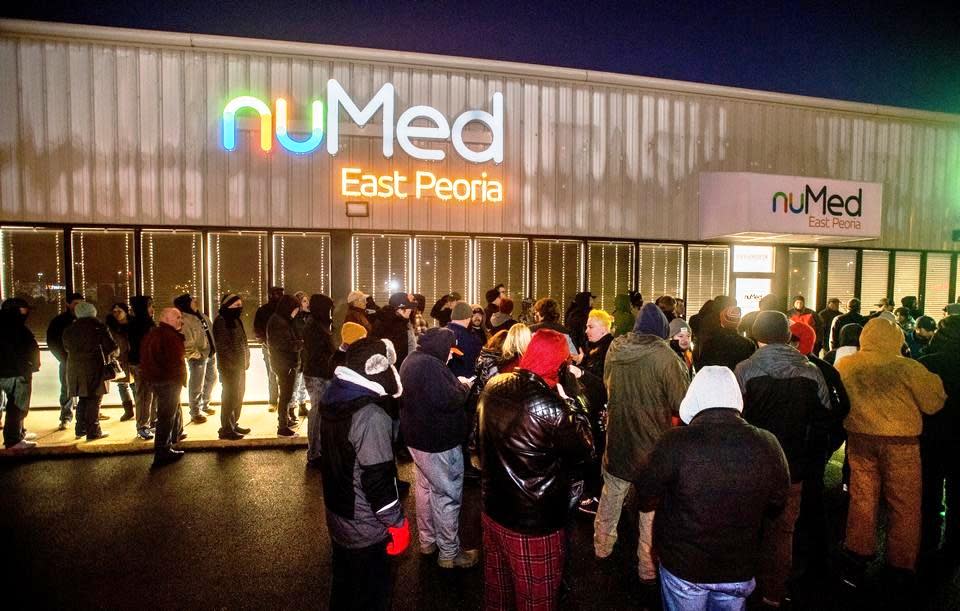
601, 316
518, 338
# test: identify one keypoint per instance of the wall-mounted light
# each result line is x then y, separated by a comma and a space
359, 209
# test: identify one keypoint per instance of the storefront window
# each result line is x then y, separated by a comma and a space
708, 272
381, 265
501, 261
32, 270
660, 268
936, 293
557, 270
301, 262
103, 266
803, 275
609, 271
842, 275
874, 280
906, 275
171, 263
442, 266
238, 265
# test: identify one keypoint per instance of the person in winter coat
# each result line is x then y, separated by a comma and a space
357, 312
260, 320
533, 438
716, 479
826, 317
433, 425
363, 512
494, 297
468, 343
233, 360
393, 323
623, 315
200, 350
440, 311
680, 342
89, 345
784, 393
515, 344
285, 347
349, 333
145, 402
575, 318
888, 396
502, 320
420, 325
645, 383
852, 316
919, 337
118, 321
727, 347
668, 305
163, 367
546, 313
848, 343
55, 343
769, 303
706, 323
300, 394
939, 445
476, 325
317, 365
19, 360
801, 313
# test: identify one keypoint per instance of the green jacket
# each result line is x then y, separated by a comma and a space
623, 317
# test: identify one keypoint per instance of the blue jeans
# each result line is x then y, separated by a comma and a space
439, 492
125, 388
681, 595
17, 392
203, 375
300, 394
273, 385
66, 403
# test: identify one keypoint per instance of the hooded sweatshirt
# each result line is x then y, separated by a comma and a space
646, 382
942, 357
19, 353
318, 338
432, 418
623, 317
140, 324
575, 319
197, 330
888, 392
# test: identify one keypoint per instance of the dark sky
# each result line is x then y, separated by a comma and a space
907, 54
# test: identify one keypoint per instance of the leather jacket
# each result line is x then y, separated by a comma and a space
532, 442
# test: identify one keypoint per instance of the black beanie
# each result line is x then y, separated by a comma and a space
771, 327
492, 294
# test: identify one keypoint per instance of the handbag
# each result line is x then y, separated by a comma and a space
111, 368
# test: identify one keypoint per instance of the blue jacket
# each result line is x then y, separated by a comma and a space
467, 342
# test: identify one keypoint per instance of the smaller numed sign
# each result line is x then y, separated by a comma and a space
745, 202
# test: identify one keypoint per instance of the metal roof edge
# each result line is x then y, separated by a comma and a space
27, 28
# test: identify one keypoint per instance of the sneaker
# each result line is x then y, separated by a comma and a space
102, 416
198, 419
209, 411
166, 457
23, 444
30, 436
589, 505
242, 430
286, 431
230, 435
293, 423
97, 435
272, 407
467, 558
428, 550
145, 434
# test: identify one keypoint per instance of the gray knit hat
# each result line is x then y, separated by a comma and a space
85, 309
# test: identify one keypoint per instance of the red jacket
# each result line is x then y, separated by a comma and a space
161, 356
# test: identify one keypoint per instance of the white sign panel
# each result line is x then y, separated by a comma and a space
749, 292
752, 259
744, 202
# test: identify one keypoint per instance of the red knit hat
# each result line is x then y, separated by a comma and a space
806, 336
730, 317
546, 352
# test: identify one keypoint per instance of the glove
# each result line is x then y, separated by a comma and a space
399, 538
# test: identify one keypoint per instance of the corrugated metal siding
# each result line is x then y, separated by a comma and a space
122, 134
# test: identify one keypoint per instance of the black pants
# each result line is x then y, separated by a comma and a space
17, 390
285, 380
234, 385
361, 578
169, 416
940, 468
811, 534
88, 416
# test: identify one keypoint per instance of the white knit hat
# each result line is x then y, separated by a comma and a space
713, 386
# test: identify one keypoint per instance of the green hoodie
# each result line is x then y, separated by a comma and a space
623, 317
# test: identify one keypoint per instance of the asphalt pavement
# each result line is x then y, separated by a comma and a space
244, 529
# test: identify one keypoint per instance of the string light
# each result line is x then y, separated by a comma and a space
216, 269
82, 262
283, 261
261, 246
193, 246
126, 263
152, 269
60, 295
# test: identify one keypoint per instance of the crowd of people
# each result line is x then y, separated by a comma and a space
722, 425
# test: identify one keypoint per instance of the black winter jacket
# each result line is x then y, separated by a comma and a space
432, 418
726, 348
19, 353
138, 327
390, 325
532, 443
233, 354
55, 331
317, 350
262, 318
943, 358
283, 343
786, 394
715, 480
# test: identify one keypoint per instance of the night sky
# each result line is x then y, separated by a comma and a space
905, 55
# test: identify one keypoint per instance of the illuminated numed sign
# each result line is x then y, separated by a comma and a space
404, 130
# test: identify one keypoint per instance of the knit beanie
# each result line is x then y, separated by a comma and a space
771, 327
373, 360
676, 326
546, 352
713, 386
652, 321
730, 317
85, 309
805, 335
228, 300
350, 332
506, 305
461, 311
492, 294
182, 303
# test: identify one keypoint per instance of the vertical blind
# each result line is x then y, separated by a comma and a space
937, 286
172, 265
660, 270
442, 266
501, 261
842, 275
708, 273
301, 262
803, 274
906, 275
557, 270
381, 265
609, 271
103, 266
874, 278
237, 264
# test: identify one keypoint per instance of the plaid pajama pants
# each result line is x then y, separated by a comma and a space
521, 572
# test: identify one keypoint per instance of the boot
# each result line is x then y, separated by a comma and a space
303, 410
127, 411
